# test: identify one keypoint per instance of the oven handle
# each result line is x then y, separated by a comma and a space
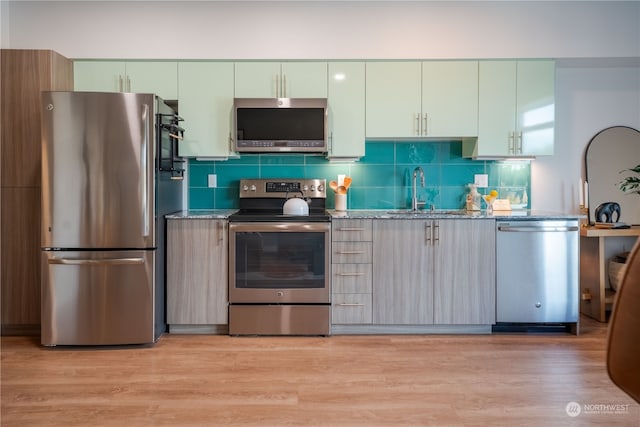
286, 227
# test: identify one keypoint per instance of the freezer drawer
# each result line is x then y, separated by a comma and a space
537, 271
97, 298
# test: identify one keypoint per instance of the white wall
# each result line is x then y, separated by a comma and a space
334, 29
590, 94
4, 24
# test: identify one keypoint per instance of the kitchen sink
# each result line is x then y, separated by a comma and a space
410, 212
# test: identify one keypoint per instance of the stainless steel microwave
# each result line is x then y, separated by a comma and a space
294, 125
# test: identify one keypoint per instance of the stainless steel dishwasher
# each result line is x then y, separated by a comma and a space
537, 271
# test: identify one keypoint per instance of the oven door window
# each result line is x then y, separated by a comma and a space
277, 260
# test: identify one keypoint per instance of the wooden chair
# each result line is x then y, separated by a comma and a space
623, 345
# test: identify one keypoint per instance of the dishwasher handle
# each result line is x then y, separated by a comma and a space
536, 229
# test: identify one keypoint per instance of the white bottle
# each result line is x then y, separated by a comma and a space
473, 198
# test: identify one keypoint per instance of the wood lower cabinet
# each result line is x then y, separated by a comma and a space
439, 272
197, 269
25, 74
464, 272
402, 272
351, 271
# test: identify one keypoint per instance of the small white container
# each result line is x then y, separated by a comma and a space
341, 202
473, 198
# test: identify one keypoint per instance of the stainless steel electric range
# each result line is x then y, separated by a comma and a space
279, 265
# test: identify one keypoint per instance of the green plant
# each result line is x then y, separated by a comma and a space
631, 184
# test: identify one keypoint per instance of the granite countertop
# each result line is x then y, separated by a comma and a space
395, 214
449, 213
202, 214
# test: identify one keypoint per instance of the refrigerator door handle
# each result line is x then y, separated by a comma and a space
144, 161
107, 261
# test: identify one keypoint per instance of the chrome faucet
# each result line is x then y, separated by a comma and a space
415, 204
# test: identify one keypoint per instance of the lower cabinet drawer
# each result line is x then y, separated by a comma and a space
351, 309
351, 278
351, 252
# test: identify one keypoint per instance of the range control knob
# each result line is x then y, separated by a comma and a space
538, 305
321, 188
306, 188
253, 187
245, 187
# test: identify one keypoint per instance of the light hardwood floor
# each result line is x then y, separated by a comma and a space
203, 380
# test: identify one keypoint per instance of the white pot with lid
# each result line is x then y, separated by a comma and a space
296, 206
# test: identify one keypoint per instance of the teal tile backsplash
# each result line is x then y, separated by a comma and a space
381, 179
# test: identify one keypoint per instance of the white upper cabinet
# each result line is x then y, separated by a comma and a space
159, 77
205, 102
346, 109
281, 80
422, 99
517, 109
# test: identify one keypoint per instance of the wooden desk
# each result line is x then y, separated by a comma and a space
597, 246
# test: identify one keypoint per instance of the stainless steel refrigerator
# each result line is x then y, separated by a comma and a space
108, 178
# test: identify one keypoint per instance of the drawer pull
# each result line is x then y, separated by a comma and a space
351, 274
352, 304
351, 229
350, 252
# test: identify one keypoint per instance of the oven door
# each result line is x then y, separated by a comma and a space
279, 262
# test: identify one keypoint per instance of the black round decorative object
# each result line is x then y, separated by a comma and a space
608, 212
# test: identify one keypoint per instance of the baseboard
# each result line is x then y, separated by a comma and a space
20, 330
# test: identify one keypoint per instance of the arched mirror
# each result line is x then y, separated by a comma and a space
609, 158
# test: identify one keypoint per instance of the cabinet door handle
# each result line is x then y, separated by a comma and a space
277, 86
346, 304
519, 143
417, 131
128, 84
284, 85
351, 274
424, 127
436, 233
120, 84
427, 232
220, 227
351, 229
350, 252
511, 144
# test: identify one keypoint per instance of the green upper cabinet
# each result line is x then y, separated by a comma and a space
516, 109
393, 106
159, 77
430, 99
205, 102
346, 110
99, 76
535, 119
281, 80
450, 99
